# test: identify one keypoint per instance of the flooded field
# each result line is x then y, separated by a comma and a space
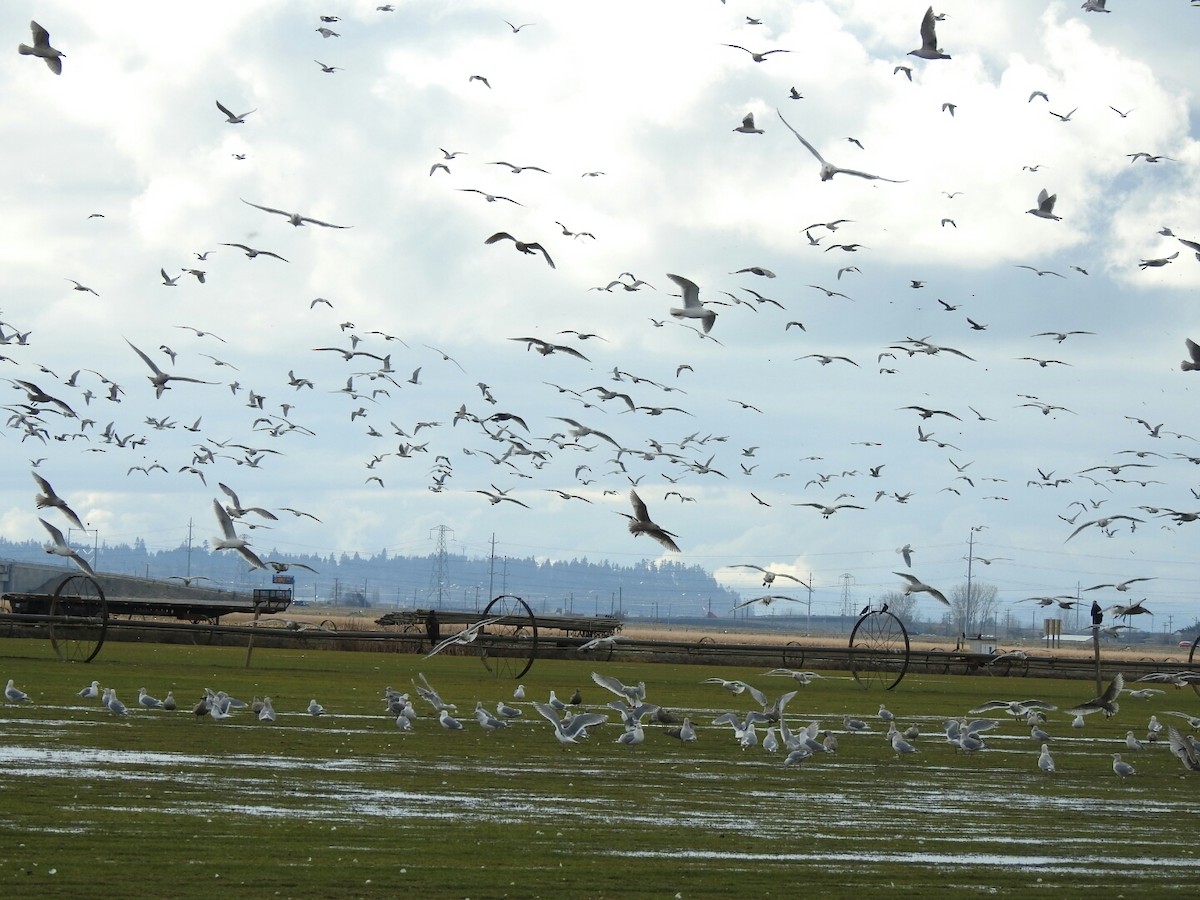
347, 804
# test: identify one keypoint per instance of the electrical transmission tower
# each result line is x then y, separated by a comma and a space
439, 577
847, 582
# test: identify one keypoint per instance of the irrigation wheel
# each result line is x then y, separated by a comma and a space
78, 618
508, 646
879, 650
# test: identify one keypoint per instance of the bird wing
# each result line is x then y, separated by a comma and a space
55, 534
811, 148
225, 521
928, 31
841, 171
499, 236
691, 291
639, 507
147, 360
224, 110
319, 222
278, 212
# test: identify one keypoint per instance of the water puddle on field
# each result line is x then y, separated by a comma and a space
712, 805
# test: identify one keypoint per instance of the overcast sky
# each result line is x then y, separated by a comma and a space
647, 97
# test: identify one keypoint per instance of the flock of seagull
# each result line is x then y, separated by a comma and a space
58, 412
573, 722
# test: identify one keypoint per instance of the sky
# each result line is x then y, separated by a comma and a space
123, 166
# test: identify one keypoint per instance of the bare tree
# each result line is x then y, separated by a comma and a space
902, 606
971, 609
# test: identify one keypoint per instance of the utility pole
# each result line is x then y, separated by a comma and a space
808, 621
189, 550
492, 570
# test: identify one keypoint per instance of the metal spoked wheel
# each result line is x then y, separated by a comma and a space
1193, 660
509, 645
793, 655
78, 618
879, 650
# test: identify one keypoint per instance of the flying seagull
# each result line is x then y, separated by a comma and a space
230, 540
160, 378
916, 586
769, 576
234, 118
692, 307
1045, 207
59, 547
295, 219
522, 246
828, 170
1193, 349
929, 48
41, 47
47, 497
640, 523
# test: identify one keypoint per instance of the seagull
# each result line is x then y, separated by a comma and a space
827, 511
747, 126
828, 170
768, 575
1064, 117
91, 692
59, 547
230, 539
47, 497
41, 47
315, 708
640, 523
1119, 766
490, 198
328, 70
295, 219
692, 307
1121, 585
1193, 349
915, 585
1106, 702
147, 702
161, 379
15, 695
1045, 207
757, 57
231, 118
906, 551
1182, 748
82, 287
251, 253
522, 246
1045, 760
569, 731
466, 636
929, 48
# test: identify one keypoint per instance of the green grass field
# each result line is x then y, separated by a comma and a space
168, 804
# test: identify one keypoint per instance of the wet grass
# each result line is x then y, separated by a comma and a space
166, 804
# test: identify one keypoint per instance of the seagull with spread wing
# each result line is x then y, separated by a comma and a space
47, 497
640, 523
295, 219
915, 585
59, 547
161, 379
828, 170
769, 576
